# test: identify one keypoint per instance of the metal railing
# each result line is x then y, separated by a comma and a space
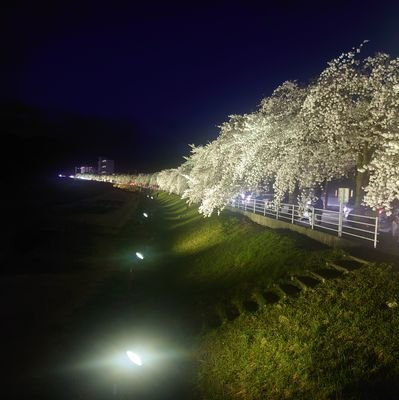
362, 227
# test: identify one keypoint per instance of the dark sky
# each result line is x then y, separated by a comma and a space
138, 81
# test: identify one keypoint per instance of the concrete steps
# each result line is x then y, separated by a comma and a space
309, 280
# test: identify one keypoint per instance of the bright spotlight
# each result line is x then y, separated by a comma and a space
145, 215
139, 255
134, 358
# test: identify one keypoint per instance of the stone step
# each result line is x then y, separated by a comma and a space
308, 281
298, 283
329, 273
270, 297
350, 264
338, 267
290, 289
359, 260
250, 305
280, 292
317, 276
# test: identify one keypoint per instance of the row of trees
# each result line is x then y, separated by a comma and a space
346, 122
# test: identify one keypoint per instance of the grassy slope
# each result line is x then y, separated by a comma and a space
324, 344
230, 252
338, 340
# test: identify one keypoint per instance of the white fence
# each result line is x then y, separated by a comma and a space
357, 226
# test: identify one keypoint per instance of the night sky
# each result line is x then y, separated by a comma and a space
138, 82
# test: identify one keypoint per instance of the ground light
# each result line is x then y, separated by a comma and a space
134, 358
139, 255
119, 386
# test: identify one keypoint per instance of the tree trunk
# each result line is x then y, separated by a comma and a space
326, 187
293, 196
361, 178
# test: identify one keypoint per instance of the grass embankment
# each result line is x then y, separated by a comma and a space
339, 341
230, 252
336, 339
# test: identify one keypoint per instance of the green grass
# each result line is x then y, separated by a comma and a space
339, 341
336, 341
230, 252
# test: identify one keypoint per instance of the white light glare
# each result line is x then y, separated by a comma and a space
152, 198
134, 358
145, 215
139, 255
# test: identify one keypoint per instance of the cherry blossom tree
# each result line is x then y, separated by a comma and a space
351, 114
346, 122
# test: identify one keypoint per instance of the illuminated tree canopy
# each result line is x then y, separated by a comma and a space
345, 122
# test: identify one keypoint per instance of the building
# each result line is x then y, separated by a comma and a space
85, 169
105, 166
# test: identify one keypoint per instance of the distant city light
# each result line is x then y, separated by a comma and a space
134, 358
139, 255
145, 215
61, 175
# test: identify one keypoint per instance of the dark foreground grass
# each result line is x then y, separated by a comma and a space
58, 253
